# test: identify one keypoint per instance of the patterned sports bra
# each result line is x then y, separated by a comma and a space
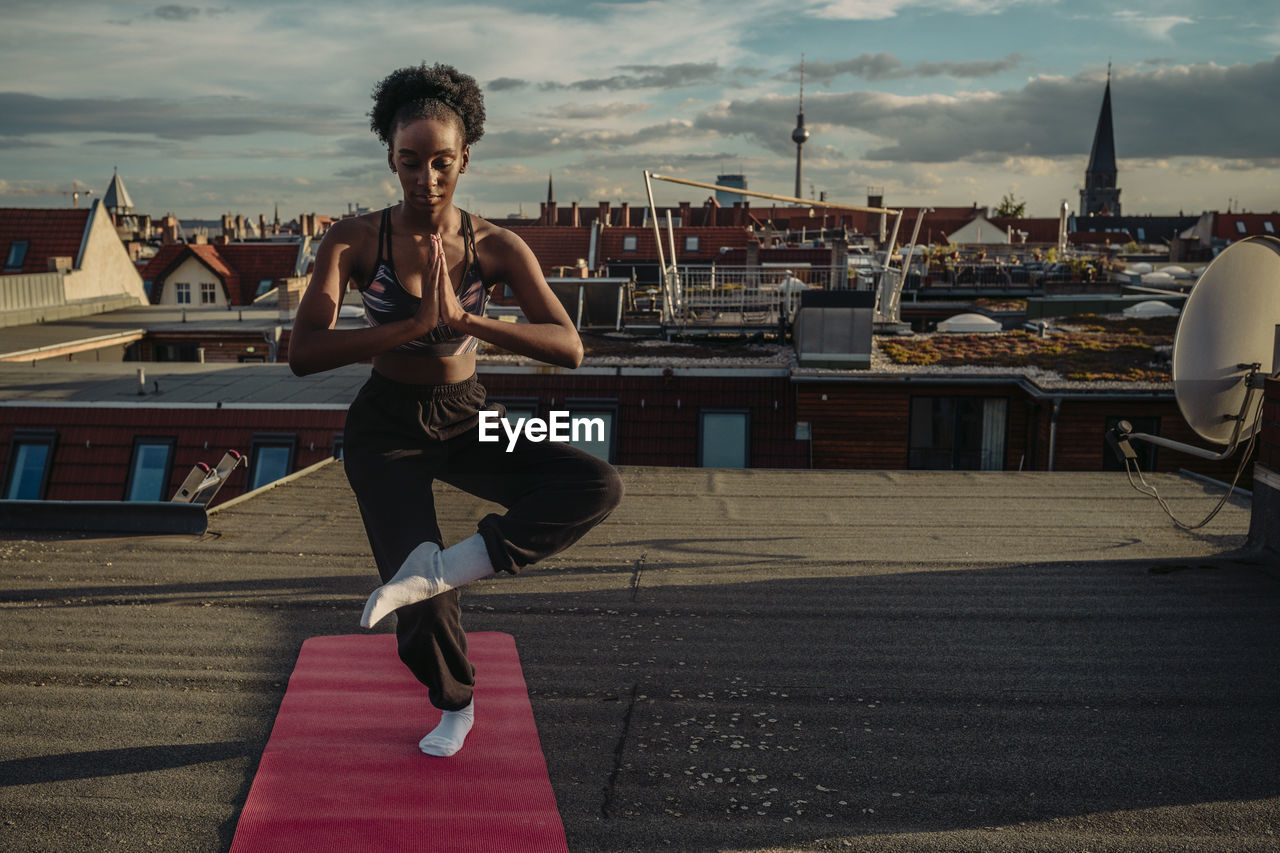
386, 300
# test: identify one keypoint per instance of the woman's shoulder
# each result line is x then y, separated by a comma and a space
494, 240
356, 230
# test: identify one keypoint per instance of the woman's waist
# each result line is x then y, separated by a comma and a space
423, 369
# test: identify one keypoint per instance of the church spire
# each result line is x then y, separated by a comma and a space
1100, 195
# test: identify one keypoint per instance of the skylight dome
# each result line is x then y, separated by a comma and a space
968, 324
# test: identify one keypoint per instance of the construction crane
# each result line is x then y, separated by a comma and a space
75, 192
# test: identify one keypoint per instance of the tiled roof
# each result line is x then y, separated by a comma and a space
710, 240
555, 246
49, 232
257, 261
241, 266
1237, 226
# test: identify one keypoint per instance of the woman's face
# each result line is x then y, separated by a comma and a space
428, 155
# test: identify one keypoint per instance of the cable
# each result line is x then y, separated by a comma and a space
1150, 490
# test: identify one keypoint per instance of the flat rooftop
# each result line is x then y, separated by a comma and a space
735, 660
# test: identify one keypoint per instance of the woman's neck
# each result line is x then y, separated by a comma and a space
446, 220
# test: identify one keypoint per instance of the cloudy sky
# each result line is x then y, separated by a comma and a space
244, 105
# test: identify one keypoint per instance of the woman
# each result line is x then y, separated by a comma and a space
425, 268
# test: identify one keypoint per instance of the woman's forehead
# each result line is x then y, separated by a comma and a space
427, 136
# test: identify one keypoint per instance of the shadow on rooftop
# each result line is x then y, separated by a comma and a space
96, 763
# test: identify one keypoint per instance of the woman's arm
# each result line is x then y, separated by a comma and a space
549, 335
314, 343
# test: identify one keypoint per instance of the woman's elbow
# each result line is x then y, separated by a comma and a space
573, 357
299, 363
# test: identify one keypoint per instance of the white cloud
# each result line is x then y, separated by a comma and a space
1157, 27
875, 10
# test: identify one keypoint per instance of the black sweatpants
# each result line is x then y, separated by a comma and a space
398, 439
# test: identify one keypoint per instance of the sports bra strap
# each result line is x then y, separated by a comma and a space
473, 257
384, 236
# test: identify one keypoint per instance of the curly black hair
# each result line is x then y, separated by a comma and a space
439, 91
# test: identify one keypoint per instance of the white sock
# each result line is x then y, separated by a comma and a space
448, 737
427, 572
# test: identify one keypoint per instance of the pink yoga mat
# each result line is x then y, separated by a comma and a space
342, 772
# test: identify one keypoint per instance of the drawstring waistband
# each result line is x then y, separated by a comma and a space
448, 391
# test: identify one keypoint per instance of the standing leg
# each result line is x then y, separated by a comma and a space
398, 510
393, 490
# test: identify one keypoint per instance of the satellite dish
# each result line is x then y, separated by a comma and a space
1229, 322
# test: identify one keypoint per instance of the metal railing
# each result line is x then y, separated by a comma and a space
737, 297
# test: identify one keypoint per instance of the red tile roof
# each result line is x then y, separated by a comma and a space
1040, 230
240, 266
255, 262
49, 232
1237, 226
555, 245
711, 239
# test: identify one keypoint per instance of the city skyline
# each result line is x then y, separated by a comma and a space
239, 108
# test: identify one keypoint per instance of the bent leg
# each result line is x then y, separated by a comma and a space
554, 493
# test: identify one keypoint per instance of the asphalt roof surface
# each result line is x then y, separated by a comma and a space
735, 660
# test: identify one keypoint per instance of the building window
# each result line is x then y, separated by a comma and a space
17, 256
270, 458
149, 469
957, 433
1142, 234
264, 286
629, 243
597, 434
1268, 226
1240, 229
183, 291
724, 439
175, 352
1146, 452
208, 293
337, 445
30, 460
691, 244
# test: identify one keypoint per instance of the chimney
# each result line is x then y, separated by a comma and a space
686, 214
542, 213
753, 252
624, 217
262, 225
573, 216
875, 200
604, 213
738, 217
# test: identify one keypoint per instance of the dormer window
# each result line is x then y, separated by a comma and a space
1240, 229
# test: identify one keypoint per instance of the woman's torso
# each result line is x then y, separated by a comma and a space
392, 265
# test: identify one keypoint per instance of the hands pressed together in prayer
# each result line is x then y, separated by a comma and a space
440, 305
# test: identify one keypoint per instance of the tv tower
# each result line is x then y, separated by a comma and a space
800, 134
